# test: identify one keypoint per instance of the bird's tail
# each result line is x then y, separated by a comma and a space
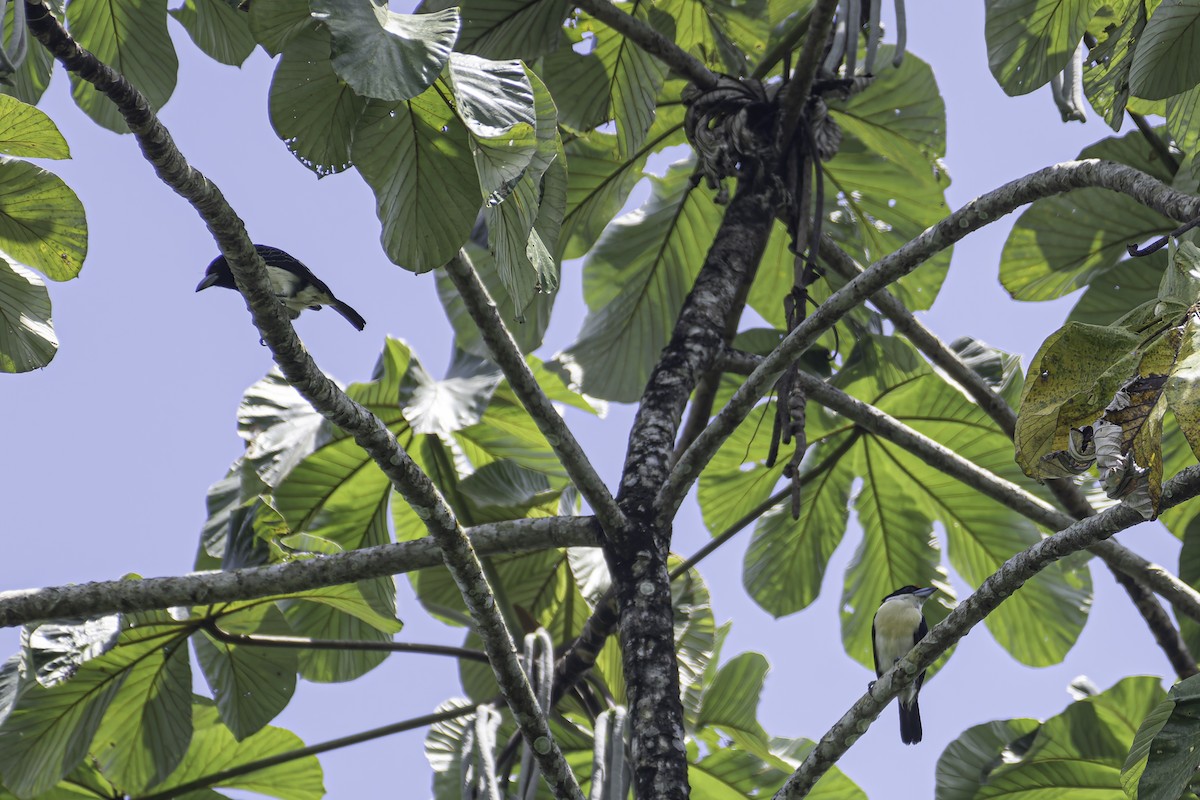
352, 316
910, 722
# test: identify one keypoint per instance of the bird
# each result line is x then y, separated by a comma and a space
897, 627
294, 284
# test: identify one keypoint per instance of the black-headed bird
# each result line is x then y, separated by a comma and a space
294, 284
897, 627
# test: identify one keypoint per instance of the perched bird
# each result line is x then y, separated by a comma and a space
294, 284
898, 625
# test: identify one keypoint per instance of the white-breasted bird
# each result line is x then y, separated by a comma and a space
897, 627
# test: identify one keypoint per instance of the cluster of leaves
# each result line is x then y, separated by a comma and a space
42, 227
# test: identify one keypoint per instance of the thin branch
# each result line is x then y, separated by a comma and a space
651, 41
993, 591
22, 606
1155, 141
799, 86
508, 356
326, 397
250, 767
1159, 622
212, 627
979, 212
992, 404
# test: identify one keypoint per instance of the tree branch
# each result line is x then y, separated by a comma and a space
651, 41
23, 606
213, 629
993, 591
504, 350
983, 210
638, 555
1159, 622
799, 86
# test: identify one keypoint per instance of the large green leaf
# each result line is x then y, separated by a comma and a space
148, 727
737, 479
131, 37
1080, 752
731, 700
414, 156
900, 116
27, 340
981, 534
1118, 290
49, 730
1062, 243
218, 29
1183, 119
599, 180
1171, 754
1029, 41
214, 749
1106, 69
616, 80
312, 110
523, 29
635, 282
274, 24
250, 684
1167, 65
42, 223
527, 329
968, 760
727, 36
33, 74
902, 496
524, 218
26, 131
494, 100
876, 204
385, 55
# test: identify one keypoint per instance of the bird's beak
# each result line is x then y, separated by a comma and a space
926, 592
208, 281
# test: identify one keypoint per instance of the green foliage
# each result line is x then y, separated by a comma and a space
516, 131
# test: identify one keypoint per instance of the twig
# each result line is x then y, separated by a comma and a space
799, 86
22, 606
508, 356
993, 591
651, 41
1155, 141
979, 212
212, 627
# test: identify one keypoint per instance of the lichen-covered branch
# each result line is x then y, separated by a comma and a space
969, 613
982, 211
301, 371
23, 606
508, 356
